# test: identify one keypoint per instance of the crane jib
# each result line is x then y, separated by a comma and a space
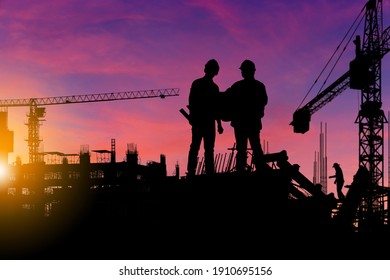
97, 97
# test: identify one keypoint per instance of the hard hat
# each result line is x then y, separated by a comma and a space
211, 64
335, 164
247, 65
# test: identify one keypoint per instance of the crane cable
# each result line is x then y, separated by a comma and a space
334, 53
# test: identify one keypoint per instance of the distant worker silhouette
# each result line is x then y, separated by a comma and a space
339, 180
202, 103
248, 98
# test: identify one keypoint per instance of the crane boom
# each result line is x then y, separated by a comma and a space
97, 97
302, 116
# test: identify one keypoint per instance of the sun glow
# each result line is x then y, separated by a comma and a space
3, 172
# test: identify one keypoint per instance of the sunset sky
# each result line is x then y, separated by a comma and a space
69, 47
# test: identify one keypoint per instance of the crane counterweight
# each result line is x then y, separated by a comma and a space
301, 121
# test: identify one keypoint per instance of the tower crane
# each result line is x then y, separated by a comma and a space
37, 112
364, 74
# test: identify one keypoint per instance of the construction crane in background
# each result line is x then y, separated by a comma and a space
365, 74
37, 112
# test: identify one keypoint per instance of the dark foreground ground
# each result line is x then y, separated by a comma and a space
229, 217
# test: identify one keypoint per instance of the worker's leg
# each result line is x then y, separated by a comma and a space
340, 194
196, 140
257, 151
209, 142
241, 146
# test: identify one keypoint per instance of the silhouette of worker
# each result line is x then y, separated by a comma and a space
202, 103
339, 180
248, 100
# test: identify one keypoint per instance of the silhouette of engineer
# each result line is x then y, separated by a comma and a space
202, 117
339, 180
248, 98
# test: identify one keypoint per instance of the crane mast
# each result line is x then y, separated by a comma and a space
37, 113
365, 74
371, 117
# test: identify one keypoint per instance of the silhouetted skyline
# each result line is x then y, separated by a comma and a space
74, 47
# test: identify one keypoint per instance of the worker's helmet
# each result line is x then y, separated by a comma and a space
212, 64
335, 164
247, 65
